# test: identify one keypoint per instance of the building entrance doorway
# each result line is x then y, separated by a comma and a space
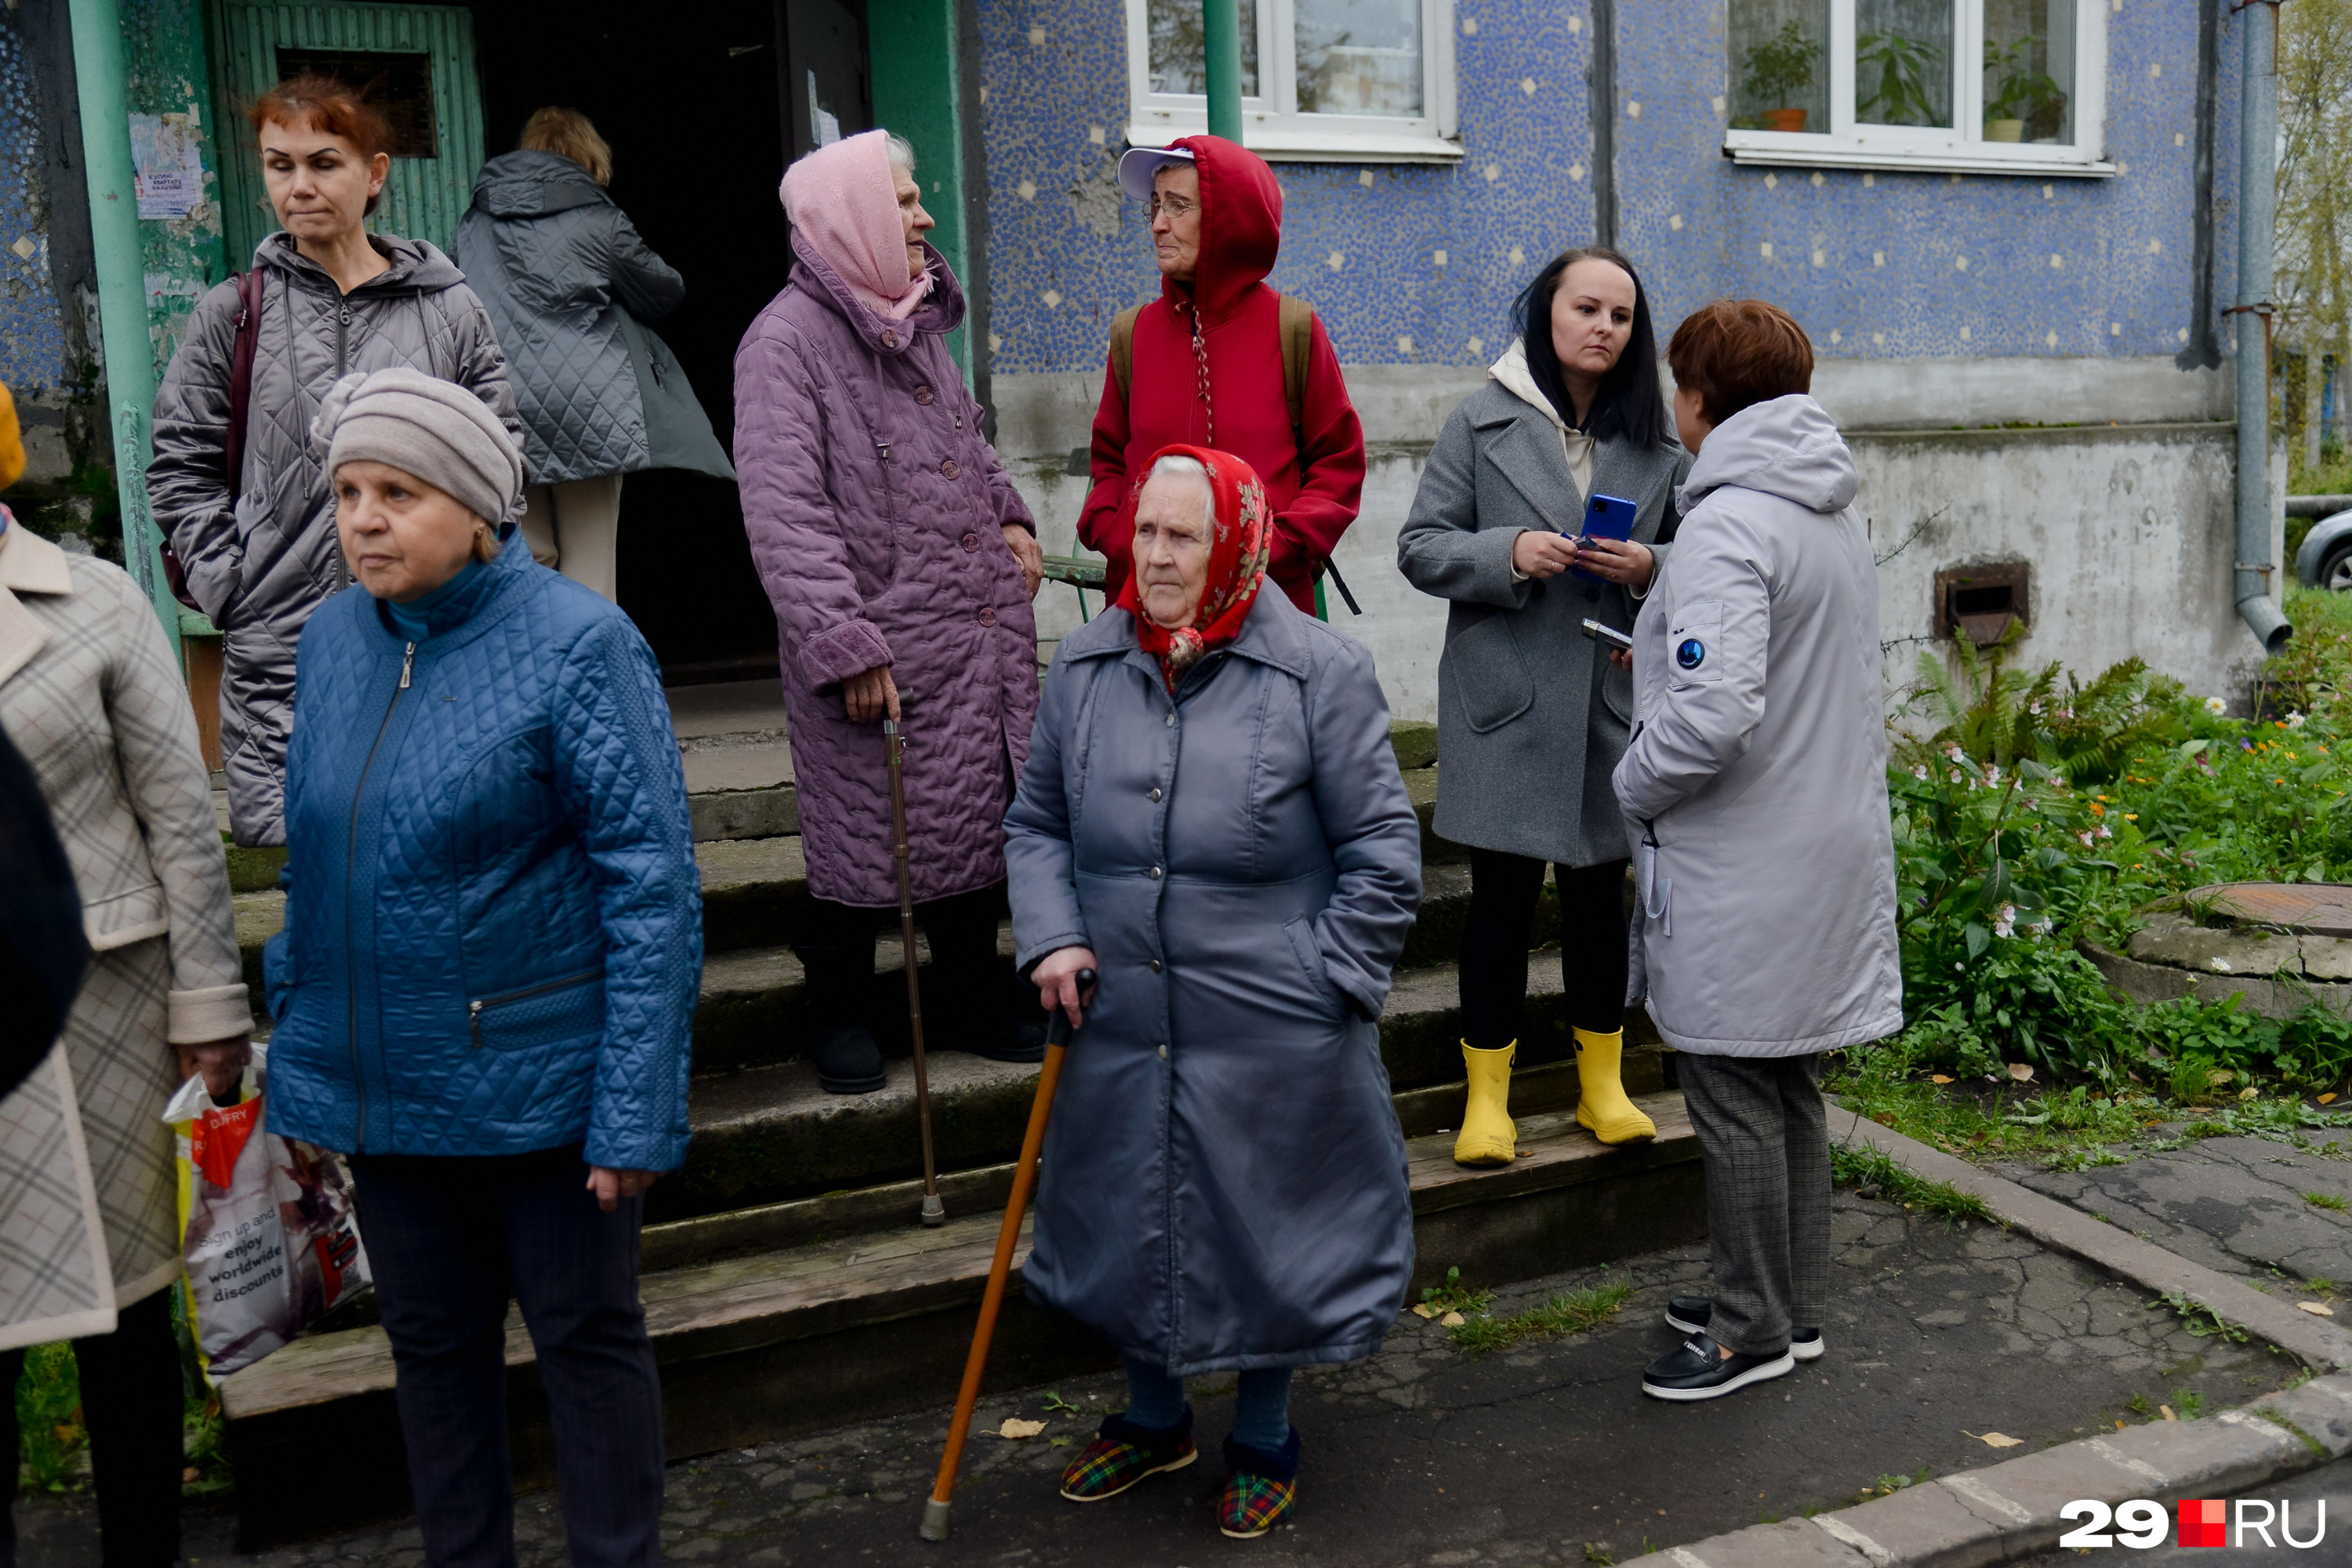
699, 108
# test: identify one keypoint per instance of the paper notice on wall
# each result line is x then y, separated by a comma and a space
168, 163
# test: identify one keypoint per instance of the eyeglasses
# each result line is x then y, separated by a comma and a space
1176, 207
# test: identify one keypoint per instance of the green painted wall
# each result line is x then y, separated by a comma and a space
166, 73
911, 45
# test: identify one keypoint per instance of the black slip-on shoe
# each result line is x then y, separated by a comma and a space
849, 1062
1691, 1314
1015, 1042
1698, 1371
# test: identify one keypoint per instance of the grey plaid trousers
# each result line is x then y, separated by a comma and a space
1765, 1135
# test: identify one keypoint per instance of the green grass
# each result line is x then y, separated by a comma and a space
1455, 1296
2202, 1321
54, 1443
2324, 1201
1566, 1313
1866, 1167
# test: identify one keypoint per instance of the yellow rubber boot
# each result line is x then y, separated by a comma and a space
1601, 1102
1488, 1136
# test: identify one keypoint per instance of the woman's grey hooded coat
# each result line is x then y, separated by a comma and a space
570, 285
1756, 783
1532, 716
1223, 1182
259, 570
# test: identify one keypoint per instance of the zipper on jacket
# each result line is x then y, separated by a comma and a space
474, 1009
882, 450
351, 872
343, 329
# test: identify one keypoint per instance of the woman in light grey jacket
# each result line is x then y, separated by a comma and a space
1532, 716
260, 545
570, 285
1756, 783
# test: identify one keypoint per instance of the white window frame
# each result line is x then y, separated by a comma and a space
1961, 149
1273, 127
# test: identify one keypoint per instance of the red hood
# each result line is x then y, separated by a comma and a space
1241, 227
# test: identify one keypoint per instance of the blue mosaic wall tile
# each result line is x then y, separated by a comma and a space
1876, 265
32, 327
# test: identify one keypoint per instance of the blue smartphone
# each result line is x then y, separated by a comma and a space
1607, 517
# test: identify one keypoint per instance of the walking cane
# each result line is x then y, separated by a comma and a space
893, 745
1000, 1269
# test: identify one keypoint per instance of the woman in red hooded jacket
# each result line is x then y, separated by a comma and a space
1207, 364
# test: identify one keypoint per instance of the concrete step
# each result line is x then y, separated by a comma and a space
770, 1133
781, 1343
755, 892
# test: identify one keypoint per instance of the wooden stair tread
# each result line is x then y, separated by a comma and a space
742, 1303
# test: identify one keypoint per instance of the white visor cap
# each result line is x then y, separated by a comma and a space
1138, 165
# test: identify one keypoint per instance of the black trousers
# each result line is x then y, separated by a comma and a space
452, 1241
1493, 974
975, 997
132, 1403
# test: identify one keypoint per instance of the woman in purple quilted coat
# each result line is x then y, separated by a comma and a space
901, 563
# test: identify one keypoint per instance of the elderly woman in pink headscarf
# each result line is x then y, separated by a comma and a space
901, 563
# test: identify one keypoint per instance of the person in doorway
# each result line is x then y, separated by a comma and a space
901, 563
570, 287
1756, 782
91, 696
1223, 1182
1532, 716
485, 990
1221, 360
258, 544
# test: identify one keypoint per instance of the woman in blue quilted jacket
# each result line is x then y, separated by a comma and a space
487, 980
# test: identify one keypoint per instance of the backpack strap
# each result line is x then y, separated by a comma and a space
240, 373
1122, 347
1298, 327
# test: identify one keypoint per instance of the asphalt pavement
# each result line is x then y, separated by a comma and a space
1941, 1336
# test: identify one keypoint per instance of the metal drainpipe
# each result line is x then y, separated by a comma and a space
1220, 43
2257, 218
121, 290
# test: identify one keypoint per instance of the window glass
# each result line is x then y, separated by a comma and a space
1903, 62
1779, 65
1177, 48
2029, 70
1358, 56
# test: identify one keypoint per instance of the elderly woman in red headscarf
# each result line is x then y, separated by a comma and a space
1213, 821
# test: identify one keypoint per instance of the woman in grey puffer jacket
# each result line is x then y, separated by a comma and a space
570, 284
259, 547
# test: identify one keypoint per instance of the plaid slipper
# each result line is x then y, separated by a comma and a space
1259, 1493
1123, 1454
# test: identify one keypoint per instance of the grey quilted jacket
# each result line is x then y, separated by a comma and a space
260, 570
563, 271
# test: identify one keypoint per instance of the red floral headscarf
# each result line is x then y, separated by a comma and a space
1240, 539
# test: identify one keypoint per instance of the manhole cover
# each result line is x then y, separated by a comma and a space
2314, 908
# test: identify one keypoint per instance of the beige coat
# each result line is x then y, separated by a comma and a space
90, 695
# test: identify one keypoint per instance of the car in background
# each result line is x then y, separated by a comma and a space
2324, 560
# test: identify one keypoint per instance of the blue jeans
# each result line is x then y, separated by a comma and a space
451, 1240
1261, 1408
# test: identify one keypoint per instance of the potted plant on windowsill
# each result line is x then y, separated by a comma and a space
2026, 104
1778, 70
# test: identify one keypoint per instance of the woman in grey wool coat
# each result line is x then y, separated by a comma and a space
1532, 716
570, 285
1212, 820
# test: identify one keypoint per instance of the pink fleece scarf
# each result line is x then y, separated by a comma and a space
844, 199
